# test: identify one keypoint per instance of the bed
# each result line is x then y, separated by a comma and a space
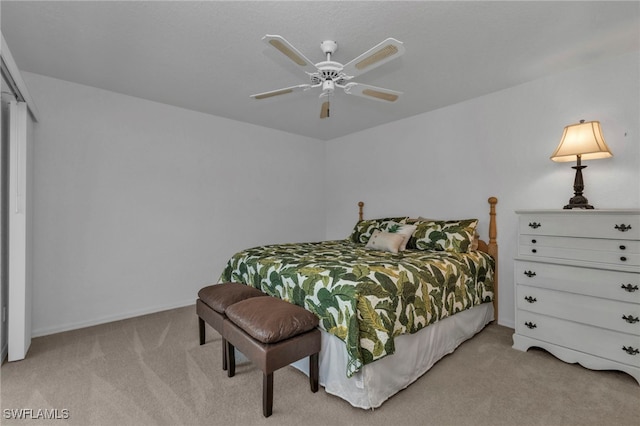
393, 298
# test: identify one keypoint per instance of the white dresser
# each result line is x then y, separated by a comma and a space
577, 277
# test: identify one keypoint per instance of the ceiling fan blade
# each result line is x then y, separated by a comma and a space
380, 54
372, 92
289, 51
324, 110
279, 92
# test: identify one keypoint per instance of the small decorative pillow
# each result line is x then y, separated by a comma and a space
385, 241
441, 235
399, 228
363, 229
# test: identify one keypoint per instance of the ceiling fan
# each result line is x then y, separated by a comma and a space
329, 75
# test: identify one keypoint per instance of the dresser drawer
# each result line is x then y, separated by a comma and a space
621, 247
580, 337
616, 252
605, 313
615, 285
582, 224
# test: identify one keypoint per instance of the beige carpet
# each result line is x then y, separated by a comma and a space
151, 371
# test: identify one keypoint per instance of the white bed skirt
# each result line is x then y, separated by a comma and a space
378, 381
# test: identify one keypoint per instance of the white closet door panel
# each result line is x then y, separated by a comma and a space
19, 318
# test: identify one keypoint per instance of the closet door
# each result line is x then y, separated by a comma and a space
19, 327
17, 209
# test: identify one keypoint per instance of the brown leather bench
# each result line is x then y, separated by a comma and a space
272, 333
212, 302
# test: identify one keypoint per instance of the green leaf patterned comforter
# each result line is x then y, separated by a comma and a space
367, 297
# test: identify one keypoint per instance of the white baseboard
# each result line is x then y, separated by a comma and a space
109, 318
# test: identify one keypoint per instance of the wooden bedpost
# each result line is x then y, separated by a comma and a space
493, 251
360, 206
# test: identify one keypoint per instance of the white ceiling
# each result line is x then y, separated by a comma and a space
209, 57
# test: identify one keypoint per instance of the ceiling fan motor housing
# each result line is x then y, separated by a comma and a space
329, 72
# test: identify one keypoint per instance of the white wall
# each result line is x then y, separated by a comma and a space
139, 204
447, 163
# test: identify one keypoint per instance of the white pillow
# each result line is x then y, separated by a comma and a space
401, 229
385, 241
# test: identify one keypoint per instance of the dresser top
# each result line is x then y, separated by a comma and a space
580, 211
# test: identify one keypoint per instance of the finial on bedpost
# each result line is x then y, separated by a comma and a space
493, 251
360, 206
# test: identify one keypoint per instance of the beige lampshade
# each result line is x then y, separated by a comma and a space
584, 139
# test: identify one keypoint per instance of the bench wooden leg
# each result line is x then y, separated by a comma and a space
313, 372
267, 394
231, 358
201, 329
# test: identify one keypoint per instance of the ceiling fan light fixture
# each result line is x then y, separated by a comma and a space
288, 52
328, 86
380, 95
385, 52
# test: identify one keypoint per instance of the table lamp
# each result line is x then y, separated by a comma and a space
582, 141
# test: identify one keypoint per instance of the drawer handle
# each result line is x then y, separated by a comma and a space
533, 274
533, 241
534, 251
623, 227
630, 319
631, 350
534, 300
622, 258
623, 247
627, 287
530, 325
536, 225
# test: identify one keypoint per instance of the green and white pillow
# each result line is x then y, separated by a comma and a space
363, 229
444, 235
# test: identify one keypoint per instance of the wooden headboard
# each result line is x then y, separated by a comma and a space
491, 247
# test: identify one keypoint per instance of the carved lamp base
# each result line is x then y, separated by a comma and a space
578, 201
